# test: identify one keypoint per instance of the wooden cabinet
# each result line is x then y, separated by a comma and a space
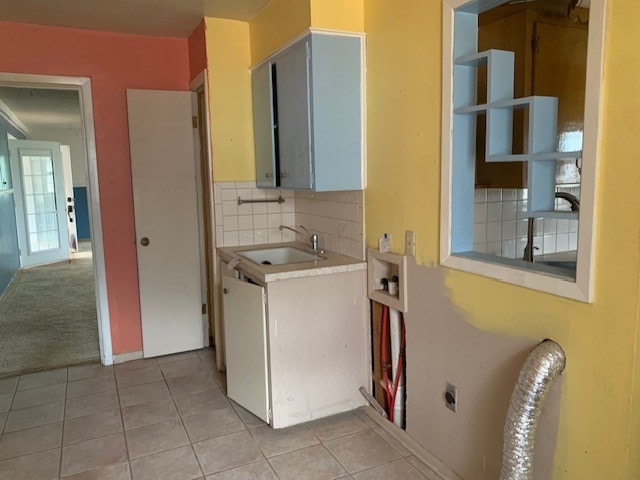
308, 109
291, 355
550, 60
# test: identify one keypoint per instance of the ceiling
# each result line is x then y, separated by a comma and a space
43, 108
168, 18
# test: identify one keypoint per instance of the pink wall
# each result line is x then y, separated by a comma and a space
114, 62
197, 50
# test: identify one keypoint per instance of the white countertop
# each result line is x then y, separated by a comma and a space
332, 263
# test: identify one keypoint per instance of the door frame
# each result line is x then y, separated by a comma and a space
83, 86
201, 83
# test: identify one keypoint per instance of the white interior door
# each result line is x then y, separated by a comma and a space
166, 220
38, 183
65, 151
245, 339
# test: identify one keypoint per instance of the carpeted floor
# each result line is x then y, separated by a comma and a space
48, 318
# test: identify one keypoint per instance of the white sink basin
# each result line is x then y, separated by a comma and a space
279, 256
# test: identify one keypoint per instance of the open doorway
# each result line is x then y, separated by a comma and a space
48, 314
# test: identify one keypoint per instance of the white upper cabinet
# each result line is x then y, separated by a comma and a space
308, 109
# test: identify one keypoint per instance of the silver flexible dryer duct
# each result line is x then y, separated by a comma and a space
543, 365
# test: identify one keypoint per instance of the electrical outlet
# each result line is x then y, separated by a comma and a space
451, 398
410, 243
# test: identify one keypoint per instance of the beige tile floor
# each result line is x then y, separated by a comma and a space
169, 419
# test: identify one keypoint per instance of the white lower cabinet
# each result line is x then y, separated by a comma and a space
246, 345
297, 349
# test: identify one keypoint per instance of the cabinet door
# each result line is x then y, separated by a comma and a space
264, 126
292, 79
246, 345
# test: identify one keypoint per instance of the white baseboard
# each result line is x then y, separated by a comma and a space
127, 356
414, 447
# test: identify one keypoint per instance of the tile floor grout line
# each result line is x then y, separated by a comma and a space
124, 435
64, 414
193, 449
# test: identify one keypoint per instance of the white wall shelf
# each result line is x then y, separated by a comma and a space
540, 152
386, 265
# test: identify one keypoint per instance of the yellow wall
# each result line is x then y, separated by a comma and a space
229, 59
347, 15
276, 24
404, 128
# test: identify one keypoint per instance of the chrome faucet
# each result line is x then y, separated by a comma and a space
311, 238
528, 250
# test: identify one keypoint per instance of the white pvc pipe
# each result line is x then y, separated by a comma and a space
395, 328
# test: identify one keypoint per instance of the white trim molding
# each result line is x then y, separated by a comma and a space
83, 86
12, 118
518, 272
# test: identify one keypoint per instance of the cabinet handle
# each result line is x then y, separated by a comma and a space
226, 290
268, 175
284, 174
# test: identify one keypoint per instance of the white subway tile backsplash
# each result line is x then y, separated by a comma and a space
275, 235
550, 226
480, 233
509, 194
259, 221
260, 236
245, 238
230, 223
480, 195
549, 244
245, 193
229, 194
562, 242
562, 226
573, 240
260, 208
289, 219
245, 209
480, 247
494, 212
337, 217
509, 210
521, 228
480, 213
509, 248
245, 222
258, 194
288, 236
494, 195
501, 221
494, 248
573, 226
231, 239
274, 220
494, 232
229, 207
509, 230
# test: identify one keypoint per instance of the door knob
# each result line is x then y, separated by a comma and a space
144, 241
226, 290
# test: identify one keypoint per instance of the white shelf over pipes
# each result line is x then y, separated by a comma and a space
385, 266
